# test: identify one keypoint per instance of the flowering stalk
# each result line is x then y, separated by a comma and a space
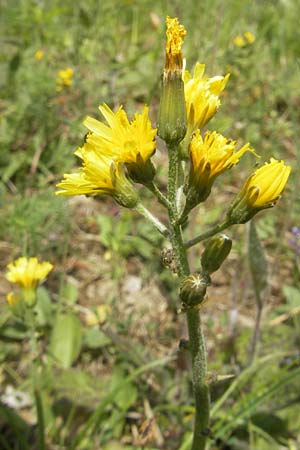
27, 274
117, 153
196, 338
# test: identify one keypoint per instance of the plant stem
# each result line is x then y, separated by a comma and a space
196, 338
154, 220
256, 333
207, 234
34, 378
160, 196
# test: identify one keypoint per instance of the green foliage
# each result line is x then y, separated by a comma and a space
66, 340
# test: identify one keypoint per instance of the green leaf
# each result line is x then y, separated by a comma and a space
66, 339
95, 338
69, 293
292, 295
43, 307
127, 396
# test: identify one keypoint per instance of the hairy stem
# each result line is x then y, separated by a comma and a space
196, 338
207, 234
154, 220
160, 196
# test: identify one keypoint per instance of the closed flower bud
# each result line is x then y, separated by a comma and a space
261, 190
215, 253
172, 120
193, 290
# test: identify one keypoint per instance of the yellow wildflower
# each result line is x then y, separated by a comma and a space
261, 190
28, 272
38, 55
64, 78
202, 97
172, 110
123, 141
209, 157
99, 175
175, 36
239, 41
250, 38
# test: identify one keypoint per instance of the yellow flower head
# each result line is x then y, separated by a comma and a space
175, 36
123, 141
64, 78
261, 190
27, 273
98, 175
38, 55
202, 97
239, 41
250, 38
209, 158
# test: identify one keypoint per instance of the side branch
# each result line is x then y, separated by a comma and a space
207, 234
151, 218
160, 196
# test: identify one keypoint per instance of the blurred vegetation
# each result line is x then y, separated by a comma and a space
110, 375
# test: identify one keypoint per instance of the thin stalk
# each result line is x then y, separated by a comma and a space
256, 333
34, 376
207, 234
40, 418
154, 220
196, 338
160, 196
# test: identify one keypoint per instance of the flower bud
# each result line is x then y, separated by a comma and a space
193, 290
215, 253
260, 191
172, 118
172, 111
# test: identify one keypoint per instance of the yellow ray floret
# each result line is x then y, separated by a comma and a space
202, 96
214, 151
121, 139
209, 157
265, 185
261, 190
175, 36
98, 175
27, 273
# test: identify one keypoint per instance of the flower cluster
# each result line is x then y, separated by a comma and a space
118, 152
